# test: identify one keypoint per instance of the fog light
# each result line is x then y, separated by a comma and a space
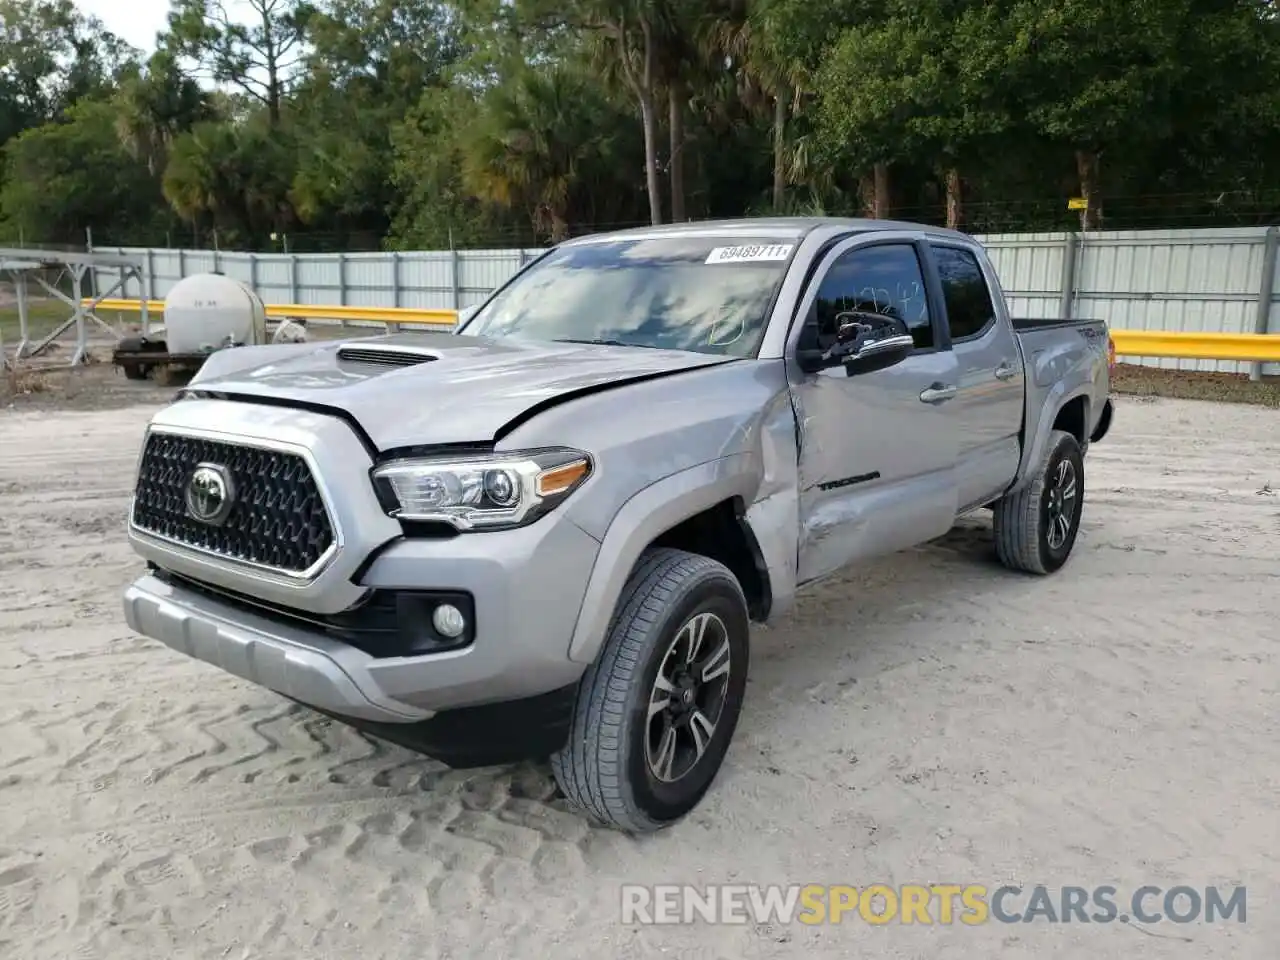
448, 621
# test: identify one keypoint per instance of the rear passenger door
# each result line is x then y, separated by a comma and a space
988, 406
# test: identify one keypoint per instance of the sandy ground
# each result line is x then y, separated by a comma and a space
932, 719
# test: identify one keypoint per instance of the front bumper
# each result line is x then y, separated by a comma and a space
291, 661
526, 594
338, 680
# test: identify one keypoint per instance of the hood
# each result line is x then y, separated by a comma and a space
433, 388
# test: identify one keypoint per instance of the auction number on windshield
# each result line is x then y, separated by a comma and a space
749, 253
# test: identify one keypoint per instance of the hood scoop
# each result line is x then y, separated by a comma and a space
385, 356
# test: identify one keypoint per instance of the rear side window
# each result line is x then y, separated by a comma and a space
964, 290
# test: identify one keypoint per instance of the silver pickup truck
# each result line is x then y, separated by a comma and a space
546, 533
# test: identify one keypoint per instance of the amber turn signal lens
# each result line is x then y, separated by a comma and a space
552, 482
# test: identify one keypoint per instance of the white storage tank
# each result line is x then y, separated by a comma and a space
208, 311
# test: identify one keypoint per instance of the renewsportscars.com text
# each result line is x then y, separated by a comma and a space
926, 904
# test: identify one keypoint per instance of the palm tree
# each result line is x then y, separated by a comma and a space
155, 106
625, 41
742, 35
530, 142
195, 181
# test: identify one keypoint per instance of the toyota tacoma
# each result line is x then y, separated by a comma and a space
546, 533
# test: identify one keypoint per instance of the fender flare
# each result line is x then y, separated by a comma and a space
1032, 453
648, 514
1103, 426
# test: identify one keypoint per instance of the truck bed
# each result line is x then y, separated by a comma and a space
1072, 337
1029, 324
1062, 358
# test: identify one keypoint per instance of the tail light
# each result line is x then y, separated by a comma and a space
1111, 352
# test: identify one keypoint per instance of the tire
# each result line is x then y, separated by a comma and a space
616, 767
1028, 537
135, 371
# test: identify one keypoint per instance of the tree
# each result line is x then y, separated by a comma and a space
260, 58
156, 104
626, 40
433, 208
51, 56
424, 122
62, 177
921, 84
864, 103
369, 63
392, 47
1097, 76
633, 32
745, 37
234, 178
793, 40
532, 142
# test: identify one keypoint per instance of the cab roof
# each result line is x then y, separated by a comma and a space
785, 228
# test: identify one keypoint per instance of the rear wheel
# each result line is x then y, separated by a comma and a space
1036, 527
657, 709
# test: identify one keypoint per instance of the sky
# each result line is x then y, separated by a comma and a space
135, 21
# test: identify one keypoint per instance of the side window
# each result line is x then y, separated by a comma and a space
884, 279
965, 292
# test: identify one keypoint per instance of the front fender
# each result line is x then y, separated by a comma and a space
650, 512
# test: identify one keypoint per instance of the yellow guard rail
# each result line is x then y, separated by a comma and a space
1255, 347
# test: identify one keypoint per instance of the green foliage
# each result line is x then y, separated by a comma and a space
50, 57
259, 54
156, 104
63, 177
420, 123
234, 178
434, 209
537, 142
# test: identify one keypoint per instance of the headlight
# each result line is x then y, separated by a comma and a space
482, 492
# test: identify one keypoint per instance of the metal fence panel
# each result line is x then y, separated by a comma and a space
427, 279
1030, 268
1193, 280
1176, 280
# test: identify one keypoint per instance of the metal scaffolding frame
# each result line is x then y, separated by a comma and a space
22, 264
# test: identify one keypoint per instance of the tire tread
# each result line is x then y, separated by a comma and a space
1016, 517
590, 769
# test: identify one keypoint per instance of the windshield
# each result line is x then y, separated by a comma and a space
707, 294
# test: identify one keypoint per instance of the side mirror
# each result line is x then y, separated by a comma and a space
865, 342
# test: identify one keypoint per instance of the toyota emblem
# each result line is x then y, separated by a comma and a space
210, 493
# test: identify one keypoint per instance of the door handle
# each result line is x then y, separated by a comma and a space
1006, 371
938, 393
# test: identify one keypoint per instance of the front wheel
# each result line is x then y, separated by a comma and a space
1036, 527
657, 709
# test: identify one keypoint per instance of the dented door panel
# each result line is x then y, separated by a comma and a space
877, 464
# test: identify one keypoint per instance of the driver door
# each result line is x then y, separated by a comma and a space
878, 450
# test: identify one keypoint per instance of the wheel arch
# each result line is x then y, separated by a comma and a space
1073, 418
701, 510
1103, 426
1061, 404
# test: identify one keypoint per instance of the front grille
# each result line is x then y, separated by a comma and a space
277, 519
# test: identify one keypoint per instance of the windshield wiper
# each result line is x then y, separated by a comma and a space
599, 341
